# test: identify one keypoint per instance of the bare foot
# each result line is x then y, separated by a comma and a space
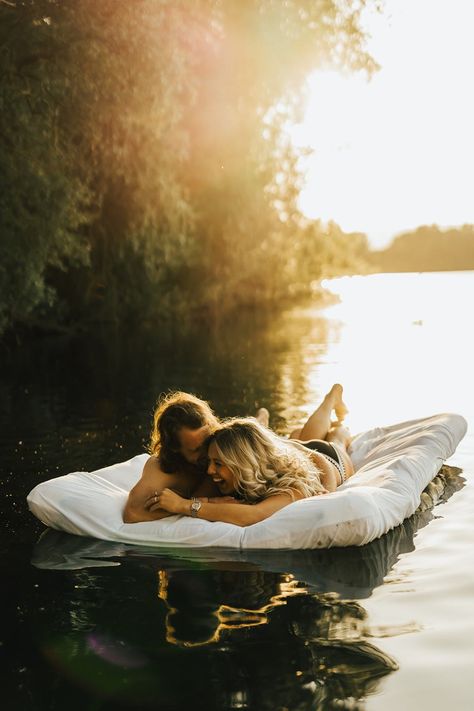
339, 405
263, 416
339, 433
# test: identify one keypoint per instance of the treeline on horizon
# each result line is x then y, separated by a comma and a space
428, 248
146, 171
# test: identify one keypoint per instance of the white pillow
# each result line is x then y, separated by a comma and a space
393, 465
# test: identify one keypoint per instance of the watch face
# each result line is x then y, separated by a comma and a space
195, 506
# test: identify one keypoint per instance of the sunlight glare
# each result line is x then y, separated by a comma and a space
404, 354
397, 151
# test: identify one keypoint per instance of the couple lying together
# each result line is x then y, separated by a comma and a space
237, 470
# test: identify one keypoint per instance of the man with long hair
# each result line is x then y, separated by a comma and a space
181, 425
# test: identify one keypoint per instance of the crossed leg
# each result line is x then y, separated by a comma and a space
319, 425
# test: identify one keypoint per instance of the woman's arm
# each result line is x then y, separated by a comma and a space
238, 514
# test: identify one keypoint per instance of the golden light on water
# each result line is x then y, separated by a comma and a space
399, 343
403, 349
223, 617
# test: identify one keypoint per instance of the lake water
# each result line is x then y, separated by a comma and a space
92, 625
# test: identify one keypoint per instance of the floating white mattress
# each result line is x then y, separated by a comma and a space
393, 465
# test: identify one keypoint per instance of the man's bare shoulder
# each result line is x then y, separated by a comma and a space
153, 474
153, 479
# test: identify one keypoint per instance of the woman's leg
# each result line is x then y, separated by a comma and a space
319, 423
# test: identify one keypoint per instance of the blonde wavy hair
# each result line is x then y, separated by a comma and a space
262, 463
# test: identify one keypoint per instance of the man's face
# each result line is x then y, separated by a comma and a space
192, 443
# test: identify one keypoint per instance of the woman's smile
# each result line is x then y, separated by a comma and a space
220, 474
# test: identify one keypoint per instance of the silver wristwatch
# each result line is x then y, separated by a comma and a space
195, 506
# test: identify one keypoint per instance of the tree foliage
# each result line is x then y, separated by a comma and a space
429, 248
146, 169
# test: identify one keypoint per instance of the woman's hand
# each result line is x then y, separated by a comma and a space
168, 501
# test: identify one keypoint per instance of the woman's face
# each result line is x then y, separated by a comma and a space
221, 475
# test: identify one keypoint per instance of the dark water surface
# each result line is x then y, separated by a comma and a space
95, 625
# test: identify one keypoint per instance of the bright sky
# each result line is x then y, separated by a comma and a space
397, 151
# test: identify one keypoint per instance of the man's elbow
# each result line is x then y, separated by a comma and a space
141, 515
134, 514
129, 515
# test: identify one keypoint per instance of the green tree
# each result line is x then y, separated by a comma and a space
147, 172
43, 203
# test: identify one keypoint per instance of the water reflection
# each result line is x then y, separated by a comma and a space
252, 629
260, 639
227, 600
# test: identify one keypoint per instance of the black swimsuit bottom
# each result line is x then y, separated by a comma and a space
329, 452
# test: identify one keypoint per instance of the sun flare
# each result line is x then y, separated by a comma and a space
396, 151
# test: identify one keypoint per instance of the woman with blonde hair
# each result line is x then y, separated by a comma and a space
266, 472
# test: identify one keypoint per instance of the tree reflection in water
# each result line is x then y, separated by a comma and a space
313, 645
217, 629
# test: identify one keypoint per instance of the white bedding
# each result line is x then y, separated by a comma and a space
393, 465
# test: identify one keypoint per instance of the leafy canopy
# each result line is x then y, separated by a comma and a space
146, 168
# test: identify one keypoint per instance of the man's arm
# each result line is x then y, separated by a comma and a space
152, 479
